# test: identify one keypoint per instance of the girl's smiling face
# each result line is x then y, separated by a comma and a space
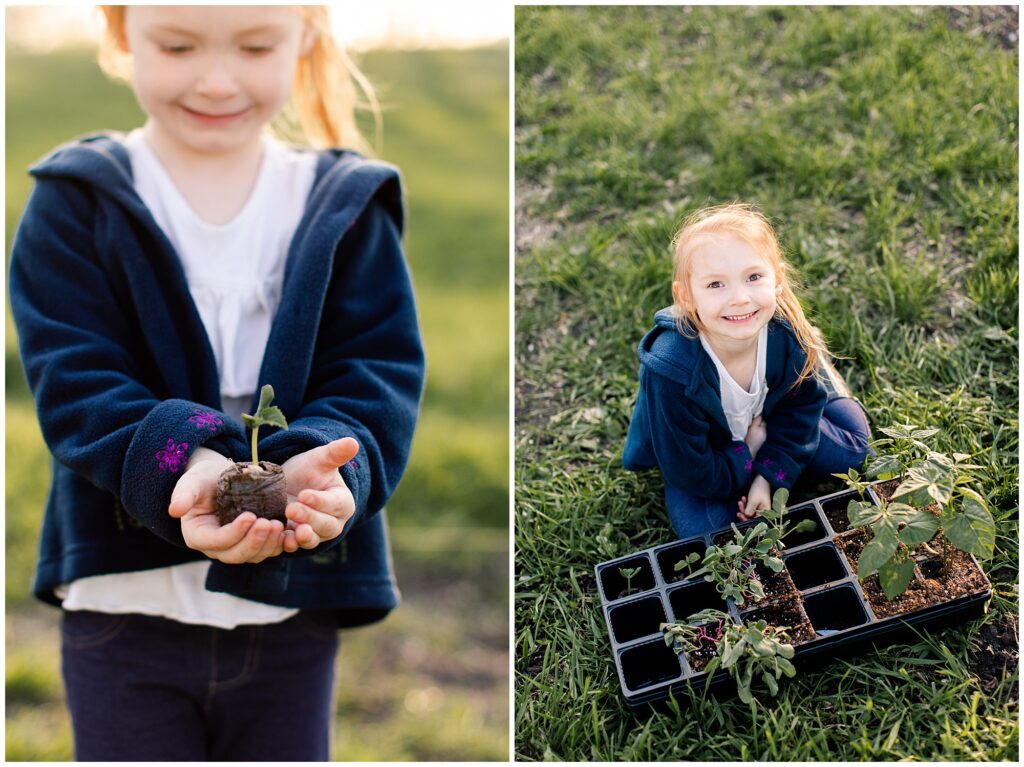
210, 77
731, 288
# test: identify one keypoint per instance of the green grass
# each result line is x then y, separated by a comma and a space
431, 682
883, 144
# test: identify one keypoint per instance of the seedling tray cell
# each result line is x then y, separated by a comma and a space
831, 615
816, 566
636, 618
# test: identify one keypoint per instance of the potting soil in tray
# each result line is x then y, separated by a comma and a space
817, 595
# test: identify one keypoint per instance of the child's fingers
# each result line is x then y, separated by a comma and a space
335, 454
262, 535
204, 534
184, 496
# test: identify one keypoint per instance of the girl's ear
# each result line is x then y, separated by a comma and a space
680, 295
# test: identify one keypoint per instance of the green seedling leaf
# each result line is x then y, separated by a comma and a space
773, 686
896, 432
862, 513
972, 529
883, 467
875, 554
733, 653
775, 564
787, 668
923, 433
924, 483
920, 528
266, 415
779, 501
894, 577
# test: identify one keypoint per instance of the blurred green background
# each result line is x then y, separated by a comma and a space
431, 681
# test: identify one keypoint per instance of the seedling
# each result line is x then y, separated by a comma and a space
732, 567
629, 573
266, 415
903, 445
259, 486
895, 529
749, 649
904, 522
701, 631
686, 563
742, 649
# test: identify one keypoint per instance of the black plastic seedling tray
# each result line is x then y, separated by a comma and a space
830, 597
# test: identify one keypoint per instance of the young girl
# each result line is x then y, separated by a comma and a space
158, 280
737, 397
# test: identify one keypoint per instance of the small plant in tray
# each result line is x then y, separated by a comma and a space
745, 650
732, 567
629, 573
933, 494
257, 486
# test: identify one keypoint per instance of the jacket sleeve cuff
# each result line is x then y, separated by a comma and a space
308, 433
159, 452
778, 469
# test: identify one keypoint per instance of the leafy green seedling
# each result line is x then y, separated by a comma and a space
629, 573
701, 631
266, 415
898, 450
732, 567
686, 563
895, 529
749, 649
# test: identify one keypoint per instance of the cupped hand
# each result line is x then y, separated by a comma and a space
319, 501
758, 497
244, 540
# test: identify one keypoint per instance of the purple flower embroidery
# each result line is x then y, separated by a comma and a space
748, 466
780, 475
172, 457
355, 464
205, 420
766, 462
738, 449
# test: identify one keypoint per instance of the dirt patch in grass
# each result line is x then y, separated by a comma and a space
998, 23
994, 653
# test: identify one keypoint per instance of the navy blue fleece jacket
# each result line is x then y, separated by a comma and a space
126, 385
679, 426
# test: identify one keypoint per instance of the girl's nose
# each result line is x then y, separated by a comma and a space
216, 81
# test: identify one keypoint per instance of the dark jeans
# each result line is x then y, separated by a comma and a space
843, 445
148, 689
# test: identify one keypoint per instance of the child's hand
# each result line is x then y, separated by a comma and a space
319, 501
246, 539
757, 433
758, 497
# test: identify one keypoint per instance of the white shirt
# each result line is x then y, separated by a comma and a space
235, 273
742, 405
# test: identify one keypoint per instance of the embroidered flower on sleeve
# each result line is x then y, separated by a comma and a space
173, 456
766, 462
748, 466
203, 419
780, 476
738, 449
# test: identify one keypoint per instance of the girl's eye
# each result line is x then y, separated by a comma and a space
755, 276
715, 284
257, 50
175, 50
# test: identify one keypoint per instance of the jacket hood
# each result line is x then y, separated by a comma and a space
101, 160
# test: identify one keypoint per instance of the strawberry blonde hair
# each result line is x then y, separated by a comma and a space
325, 92
748, 224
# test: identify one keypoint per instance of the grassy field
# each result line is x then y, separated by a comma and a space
431, 682
884, 144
